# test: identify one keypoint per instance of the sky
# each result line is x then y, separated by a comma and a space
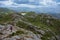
42, 5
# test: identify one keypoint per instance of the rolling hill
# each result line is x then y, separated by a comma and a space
28, 26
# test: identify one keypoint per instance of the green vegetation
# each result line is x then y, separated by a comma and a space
17, 33
43, 21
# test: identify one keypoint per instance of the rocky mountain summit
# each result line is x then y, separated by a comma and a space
28, 26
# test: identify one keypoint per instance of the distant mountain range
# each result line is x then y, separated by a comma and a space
56, 15
37, 10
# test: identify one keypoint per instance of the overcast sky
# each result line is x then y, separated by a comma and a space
53, 5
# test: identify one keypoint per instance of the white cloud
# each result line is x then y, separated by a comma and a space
58, 3
48, 3
20, 0
9, 2
31, 0
43, 3
24, 5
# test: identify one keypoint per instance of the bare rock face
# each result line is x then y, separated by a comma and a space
6, 31
24, 37
16, 33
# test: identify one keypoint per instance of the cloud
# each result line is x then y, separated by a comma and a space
41, 3
37, 4
3, 0
58, 3
31, 0
11, 3
48, 3
24, 5
8, 2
